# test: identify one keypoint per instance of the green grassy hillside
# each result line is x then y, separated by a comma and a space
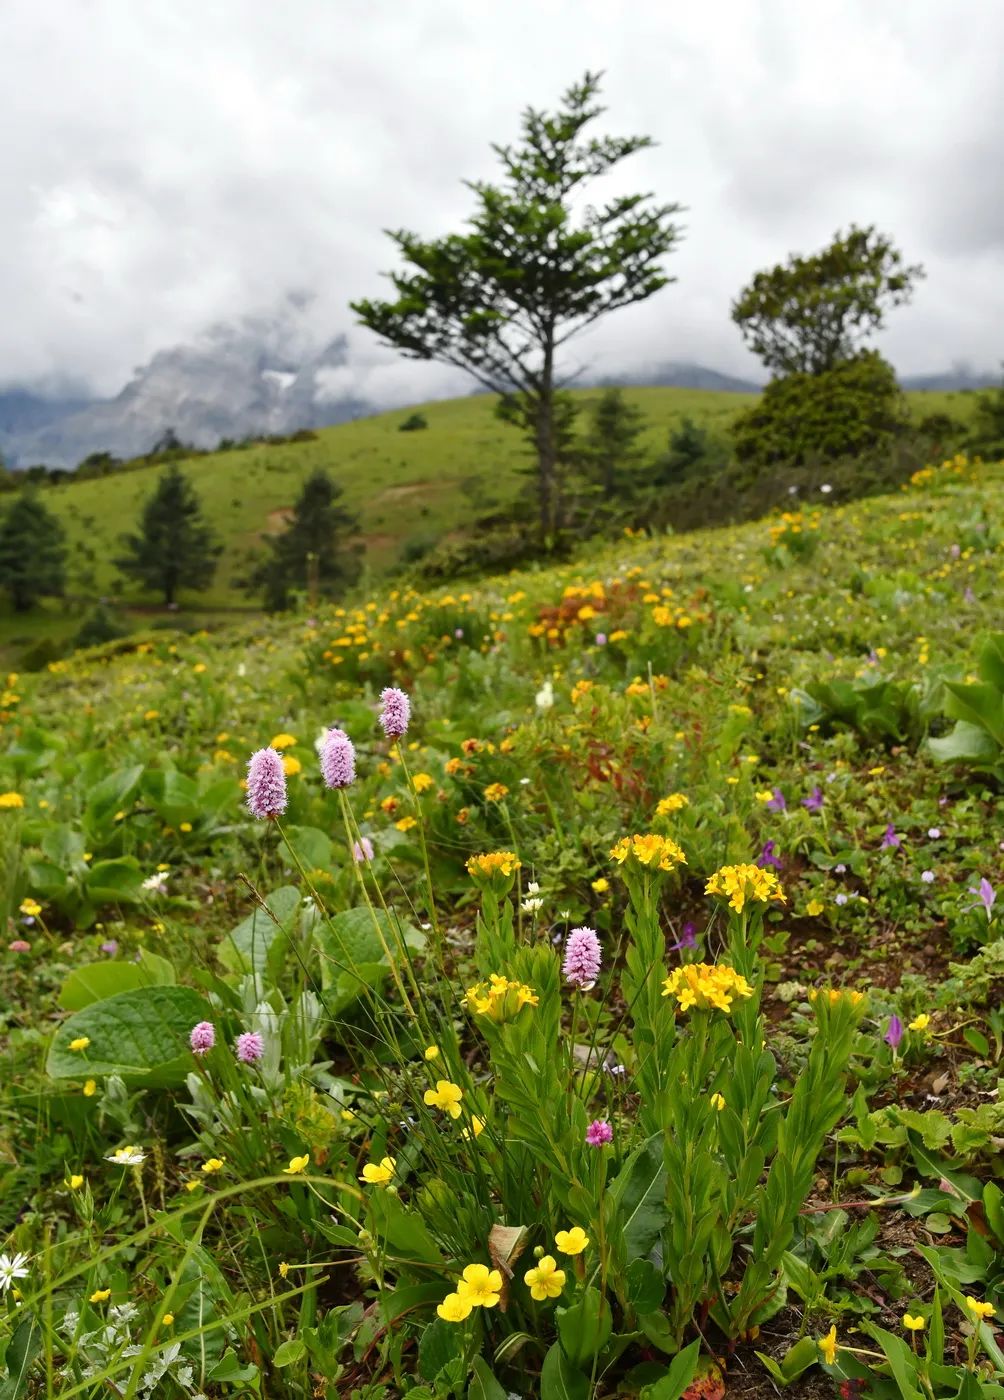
404, 486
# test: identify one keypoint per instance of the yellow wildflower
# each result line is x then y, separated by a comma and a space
30, 908
75, 1181
652, 851
745, 883
718, 1101
168, 1319
480, 1286
492, 863
423, 782
979, 1310
828, 1346
213, 1164
80, 1043
546, 1280
11, 799
499, 998
445, 1096
675, 802
378, 1173
432, 1052
814, 908
291, 765
297, 1165
913, 1324
495, 792
282, 741
601, 885
706, 986
920, 1023
406, 823
572, 1241
454, 1308
90, 1089
100, 1295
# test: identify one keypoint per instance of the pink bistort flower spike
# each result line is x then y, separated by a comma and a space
338, 759
396, 713
266, 784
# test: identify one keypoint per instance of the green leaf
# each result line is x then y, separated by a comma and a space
248, 944
314, 848
98, 981
229, 1370
404, 1231
678, 1376
585, 1327
794, 1363
991, 662
993, 1209
442, 1342
21, 1351
289, 1353
141, 1035
978, 704
902, 1361
638, 1196
483, 1384
112, 793
559, 1380
646, 1286
115, 881
967, 743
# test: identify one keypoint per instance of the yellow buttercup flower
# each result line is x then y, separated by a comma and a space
445, 1096
81, 1043
90, 1089
100, 1295
980, 1310
718, 1101
423, 782
601, 885
168, 1319
545, 1280
297, 1165
675, 802
743, 884
378, 1173
500, 864
291, 765
30, 908
828, 1346
406, 823
572, 1241
11, 800
480, 1286
454, 1308
282, 741
814, 908
913, 1324
920, 1023
706, 986
475, 1130
651, 851
432, 1052
213, 1164
75, 1181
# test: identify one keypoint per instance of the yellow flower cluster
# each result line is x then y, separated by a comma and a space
493, 863
706, 986
675, 802
837, 995
652, 851
499, 998
743, 884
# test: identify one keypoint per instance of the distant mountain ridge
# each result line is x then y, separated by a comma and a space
253, 379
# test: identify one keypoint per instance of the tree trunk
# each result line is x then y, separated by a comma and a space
546, 454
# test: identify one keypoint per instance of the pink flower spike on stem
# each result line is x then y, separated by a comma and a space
266, 796
396, 713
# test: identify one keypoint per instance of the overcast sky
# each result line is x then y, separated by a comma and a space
168, 164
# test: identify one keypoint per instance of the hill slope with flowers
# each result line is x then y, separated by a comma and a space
616, 1010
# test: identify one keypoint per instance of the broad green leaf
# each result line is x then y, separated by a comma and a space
442, 1342
979, 704
314, 848
559, 1380
115, 881
289, 1353
98, 981
21, 1351
483, 1384
112, 794
902, 1361
141, 1035
405, 1231
991, 663
249, 943
585, 1327
967, 743
678, 1376
638, 1193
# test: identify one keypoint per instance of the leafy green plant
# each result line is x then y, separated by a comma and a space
977, 707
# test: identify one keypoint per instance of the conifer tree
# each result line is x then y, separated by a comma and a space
32, 552
174, 547
313, 553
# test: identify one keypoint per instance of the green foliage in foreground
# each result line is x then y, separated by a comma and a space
763, 1138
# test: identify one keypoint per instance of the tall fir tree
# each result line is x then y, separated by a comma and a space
32, 552
612, 453
314, 552
174, 547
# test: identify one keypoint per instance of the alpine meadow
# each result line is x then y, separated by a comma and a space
502, 896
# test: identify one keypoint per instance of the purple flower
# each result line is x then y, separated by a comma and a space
396, 712
767, 858
934, 832
203, 1037
890, 841
601, 639
840, 898
582, 959
985, 895
688, 940
458, 632
338, 759
249, 1047
814, 801
19, 945
777, 802
928, 877
894, 1032
599, 1133
266, 784
110, 946
362, 850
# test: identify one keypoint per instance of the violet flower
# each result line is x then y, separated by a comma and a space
203, 1037
249, 1047
688, 940
986, 896
890, 841
767, 859
777, 802
599, 1133
814, 801
894, 1033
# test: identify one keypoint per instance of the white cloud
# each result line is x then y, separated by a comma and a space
167, 167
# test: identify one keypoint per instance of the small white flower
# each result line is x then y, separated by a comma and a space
156, 883
533, 887
545, 696
127, 1156
531, 905
12, 1267
826, 488
927, 876
934, 832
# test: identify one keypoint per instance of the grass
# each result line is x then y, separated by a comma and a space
782, 681
404, 487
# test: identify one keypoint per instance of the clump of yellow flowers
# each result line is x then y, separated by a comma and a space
499, 998
706, 986
652, 851
745, 884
